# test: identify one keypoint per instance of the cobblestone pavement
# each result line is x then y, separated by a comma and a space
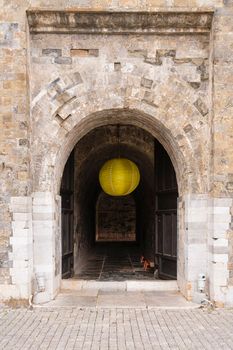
91, 328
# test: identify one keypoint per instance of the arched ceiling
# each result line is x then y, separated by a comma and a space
101, 145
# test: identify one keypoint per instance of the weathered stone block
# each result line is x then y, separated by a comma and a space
137, 53
52, 52
43, 216
7, 37
63, 60
201, 107
84, 52
23, 142
147, 83
21, 217
117, 66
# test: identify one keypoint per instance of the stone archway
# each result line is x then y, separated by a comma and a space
62, 127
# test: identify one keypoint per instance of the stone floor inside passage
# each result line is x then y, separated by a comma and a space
108, 262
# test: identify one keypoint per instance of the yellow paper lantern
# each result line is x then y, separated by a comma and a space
119, 177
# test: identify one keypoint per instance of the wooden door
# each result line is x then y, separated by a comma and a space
67, 200
166, 193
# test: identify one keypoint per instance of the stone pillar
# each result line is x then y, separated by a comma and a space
221, 286
46, 231
21, 254
219, 225
192, 242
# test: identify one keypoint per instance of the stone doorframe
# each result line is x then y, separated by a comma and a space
62, 114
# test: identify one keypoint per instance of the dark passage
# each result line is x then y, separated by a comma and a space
104, 237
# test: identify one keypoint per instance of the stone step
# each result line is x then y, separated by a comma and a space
128, 286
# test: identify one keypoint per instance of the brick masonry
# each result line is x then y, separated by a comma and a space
178, 88
109, 226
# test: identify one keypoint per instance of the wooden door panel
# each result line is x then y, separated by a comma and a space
174, 235
167, 201
166, 214
166, 242
167, 268
67, 195
167, 233
67, 226
159, 238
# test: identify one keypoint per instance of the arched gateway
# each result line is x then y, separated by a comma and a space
89, 72
63, 125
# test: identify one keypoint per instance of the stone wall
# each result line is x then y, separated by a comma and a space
166, 77
14, 144
115, 219
230, 239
